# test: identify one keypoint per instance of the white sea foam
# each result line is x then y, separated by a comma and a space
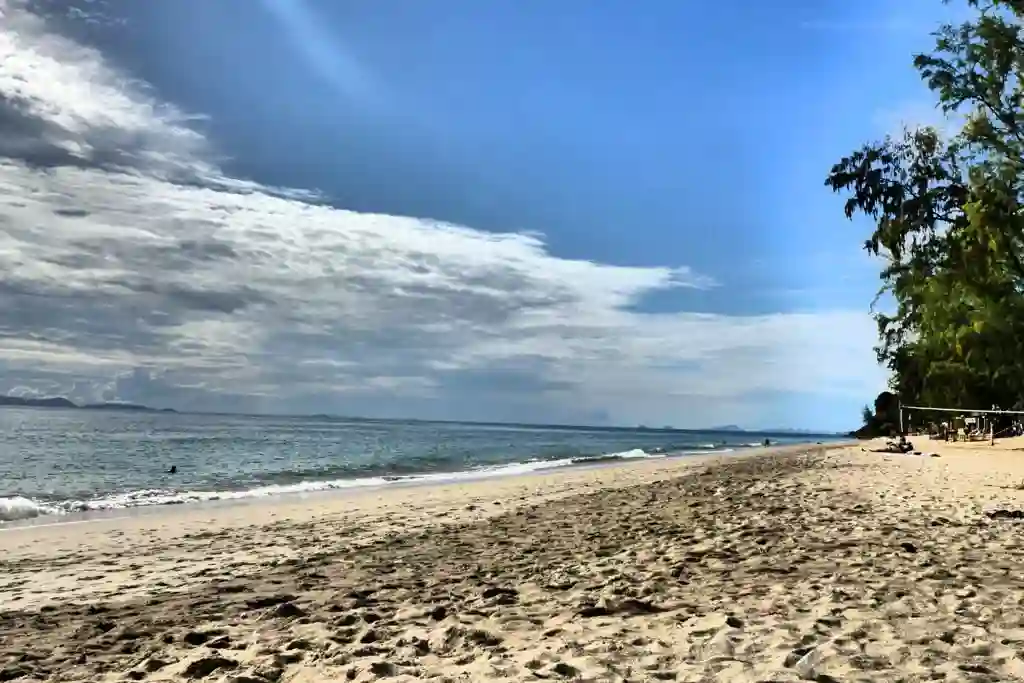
19, 508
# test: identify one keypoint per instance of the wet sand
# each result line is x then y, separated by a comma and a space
781, 565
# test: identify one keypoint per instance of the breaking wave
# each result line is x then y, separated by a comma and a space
20, 508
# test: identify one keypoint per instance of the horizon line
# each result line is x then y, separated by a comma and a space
127, 406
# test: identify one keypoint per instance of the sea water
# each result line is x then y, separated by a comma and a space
55, 461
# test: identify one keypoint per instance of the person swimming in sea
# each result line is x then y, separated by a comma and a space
173, 470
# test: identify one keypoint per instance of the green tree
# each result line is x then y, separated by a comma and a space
948, 223
883, 419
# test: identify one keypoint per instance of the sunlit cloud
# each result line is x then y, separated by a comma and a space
133, 267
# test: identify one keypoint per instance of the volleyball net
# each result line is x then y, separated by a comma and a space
976, 422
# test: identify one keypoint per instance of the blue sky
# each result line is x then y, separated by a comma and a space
671, 254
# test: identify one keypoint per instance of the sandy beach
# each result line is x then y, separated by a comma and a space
793, 564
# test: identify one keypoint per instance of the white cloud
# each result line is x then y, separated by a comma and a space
130, 264
85, 110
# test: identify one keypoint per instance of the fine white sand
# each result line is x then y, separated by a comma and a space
780, 565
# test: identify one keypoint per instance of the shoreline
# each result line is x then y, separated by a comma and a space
44, 513
427, 502
810, 562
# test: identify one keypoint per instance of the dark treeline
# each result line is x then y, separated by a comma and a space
947, 224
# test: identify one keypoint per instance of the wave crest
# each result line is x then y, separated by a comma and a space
19, 508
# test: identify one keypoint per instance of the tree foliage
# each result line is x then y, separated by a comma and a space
884, 419
948, 222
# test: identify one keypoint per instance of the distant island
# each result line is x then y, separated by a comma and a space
785, 430
772, 430
61, 402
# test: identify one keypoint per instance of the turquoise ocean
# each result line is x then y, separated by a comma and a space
54, 462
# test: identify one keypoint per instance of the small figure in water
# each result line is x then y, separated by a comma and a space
767, 443
173, 470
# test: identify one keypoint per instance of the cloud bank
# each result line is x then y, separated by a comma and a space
133, 268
